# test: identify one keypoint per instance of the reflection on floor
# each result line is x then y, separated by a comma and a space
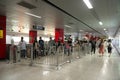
89, 67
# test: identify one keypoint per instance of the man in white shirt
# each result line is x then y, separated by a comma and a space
22, 45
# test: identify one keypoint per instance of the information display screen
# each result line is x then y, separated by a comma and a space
38, 27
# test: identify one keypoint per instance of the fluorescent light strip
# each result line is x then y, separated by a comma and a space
89, 5
100, 23
104, 29
32, 15
68, 26
81, 30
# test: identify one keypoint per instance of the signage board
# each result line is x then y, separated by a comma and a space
1, 33
38, 27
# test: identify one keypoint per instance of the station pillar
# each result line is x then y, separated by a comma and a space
2, 37
32, 36
59, 34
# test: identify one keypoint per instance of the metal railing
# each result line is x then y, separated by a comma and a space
53, 56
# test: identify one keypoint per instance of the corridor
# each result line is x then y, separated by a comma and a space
89, 67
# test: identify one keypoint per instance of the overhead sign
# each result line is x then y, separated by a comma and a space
38, 27
1, 33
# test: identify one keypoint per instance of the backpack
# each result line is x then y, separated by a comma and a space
41, 43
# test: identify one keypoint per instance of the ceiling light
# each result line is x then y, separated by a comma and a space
81, 30
104, 29
32, 15
89, 5
100, 23
68, 26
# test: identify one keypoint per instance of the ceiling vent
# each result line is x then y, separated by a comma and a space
26, 5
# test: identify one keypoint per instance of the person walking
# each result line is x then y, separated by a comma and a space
93, 46
35, 48
101, 48
109, 49
41, 45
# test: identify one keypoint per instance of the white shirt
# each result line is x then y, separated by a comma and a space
110, 44
22, 45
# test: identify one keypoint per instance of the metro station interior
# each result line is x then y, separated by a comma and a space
59, 39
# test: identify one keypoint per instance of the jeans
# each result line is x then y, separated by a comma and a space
23, 53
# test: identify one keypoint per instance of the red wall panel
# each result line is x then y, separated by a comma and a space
32, 35
59, 34
3, 40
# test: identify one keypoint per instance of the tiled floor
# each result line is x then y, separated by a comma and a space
89, 67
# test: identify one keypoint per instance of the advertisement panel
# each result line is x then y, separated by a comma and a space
1, 33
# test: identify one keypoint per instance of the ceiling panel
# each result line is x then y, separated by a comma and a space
107, 11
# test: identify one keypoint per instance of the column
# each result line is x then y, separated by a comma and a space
32, 35
59, 34
2, 37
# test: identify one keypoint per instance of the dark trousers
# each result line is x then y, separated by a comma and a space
35, 54
23, 53
42, 51
93, 49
